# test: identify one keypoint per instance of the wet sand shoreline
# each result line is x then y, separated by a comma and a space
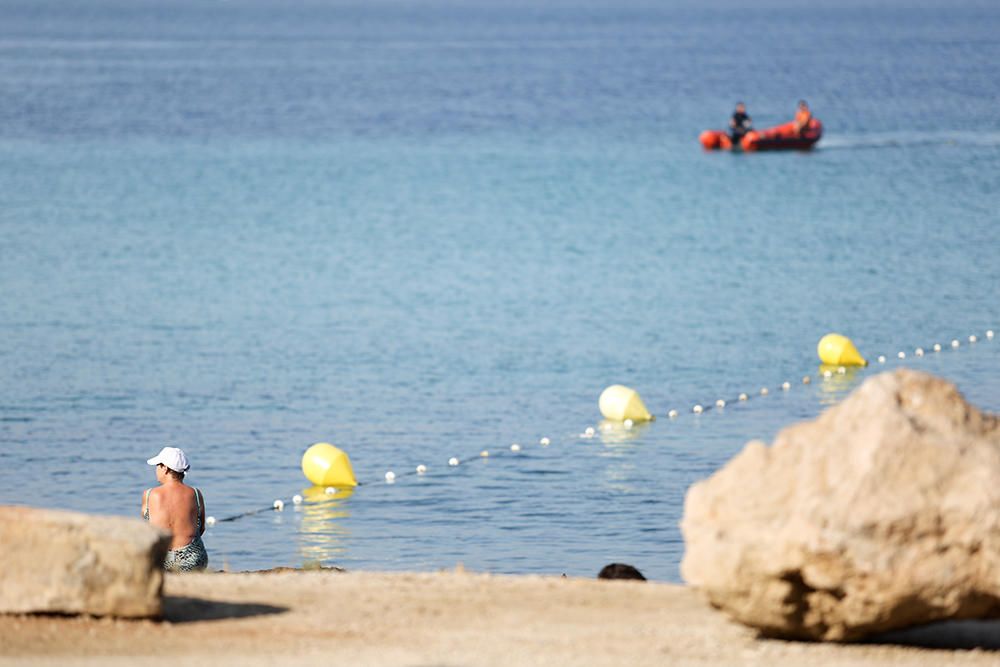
446, 618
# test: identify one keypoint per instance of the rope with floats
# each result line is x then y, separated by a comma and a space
836, 352
329, 467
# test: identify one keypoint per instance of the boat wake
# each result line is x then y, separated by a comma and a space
908, 139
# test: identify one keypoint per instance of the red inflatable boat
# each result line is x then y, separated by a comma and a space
780, 138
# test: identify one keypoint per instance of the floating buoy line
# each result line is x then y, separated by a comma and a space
329, 467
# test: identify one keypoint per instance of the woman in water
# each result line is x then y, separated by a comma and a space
177, 508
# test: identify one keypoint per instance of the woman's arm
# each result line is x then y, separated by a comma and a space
201, 518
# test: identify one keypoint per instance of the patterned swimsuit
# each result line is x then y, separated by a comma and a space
191, 556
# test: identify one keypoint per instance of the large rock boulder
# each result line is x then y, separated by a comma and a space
881, 514
70, 563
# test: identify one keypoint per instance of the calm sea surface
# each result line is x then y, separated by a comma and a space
423, 229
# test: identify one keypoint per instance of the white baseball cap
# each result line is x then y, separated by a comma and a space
172, 457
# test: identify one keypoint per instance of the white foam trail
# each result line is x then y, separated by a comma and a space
908, 139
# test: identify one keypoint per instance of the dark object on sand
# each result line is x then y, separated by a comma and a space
620, 571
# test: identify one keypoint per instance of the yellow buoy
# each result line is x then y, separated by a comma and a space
837, 350
318, 494
325, 465
619, 403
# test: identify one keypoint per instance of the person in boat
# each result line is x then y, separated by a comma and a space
740, 123
802, 117
178, 509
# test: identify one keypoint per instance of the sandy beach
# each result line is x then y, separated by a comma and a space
448, 618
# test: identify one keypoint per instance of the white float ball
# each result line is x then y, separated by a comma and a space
390, 477
955, 343
278, 505
544, 442
627, 424
828, 374
881, 358
972, 338
421, 469
485, 454
515, 447
841, 370
901, 354
937, 347
806, 379
697, 409
453, 461
743, 397
673, 414
785, 386
919, 352
720, 403
297, 499
989, 334
209, 521
589, 432
330, 490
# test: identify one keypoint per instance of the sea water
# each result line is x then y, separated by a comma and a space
420, 230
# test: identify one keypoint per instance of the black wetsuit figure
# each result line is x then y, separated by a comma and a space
739, 126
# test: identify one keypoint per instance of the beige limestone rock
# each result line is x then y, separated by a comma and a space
883, 513
71, 563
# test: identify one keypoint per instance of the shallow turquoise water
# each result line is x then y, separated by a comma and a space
421, 231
